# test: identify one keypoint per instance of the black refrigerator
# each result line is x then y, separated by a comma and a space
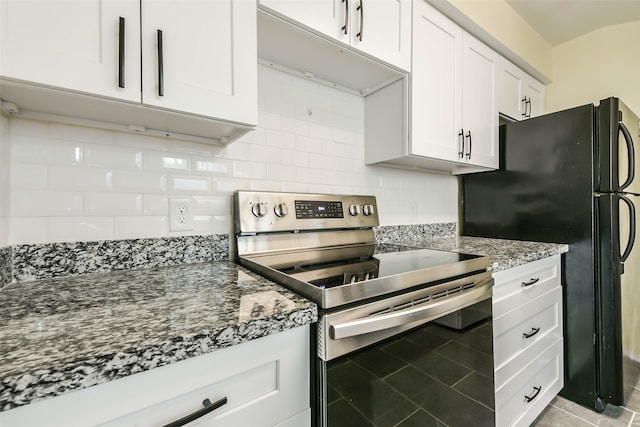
569, 177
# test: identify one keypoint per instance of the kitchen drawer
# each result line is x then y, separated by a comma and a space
516, 330
267, 379
509, 290
521, 400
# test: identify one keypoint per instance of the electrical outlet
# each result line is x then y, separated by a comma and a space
180, 214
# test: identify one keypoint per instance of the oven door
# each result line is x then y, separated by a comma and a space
386, 362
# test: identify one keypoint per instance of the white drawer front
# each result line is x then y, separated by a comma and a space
510, 291
520, 400
266, 379
516, 330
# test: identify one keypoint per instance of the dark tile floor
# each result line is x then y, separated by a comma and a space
564, 413
423, 378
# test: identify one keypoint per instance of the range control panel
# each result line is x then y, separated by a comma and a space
257, 212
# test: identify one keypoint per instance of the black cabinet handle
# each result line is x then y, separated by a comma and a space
361, 9
469, 152
345, 27
528, 335
531, 282
535, 394
208, 407
461, 138
524, 107
121, 53
160, 65
529, 104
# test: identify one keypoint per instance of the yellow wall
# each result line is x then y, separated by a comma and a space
603, 63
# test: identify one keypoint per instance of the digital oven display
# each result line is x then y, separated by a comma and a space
318, 209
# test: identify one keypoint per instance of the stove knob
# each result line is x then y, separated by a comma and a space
368, 210
354, 210
281, 210
259, 210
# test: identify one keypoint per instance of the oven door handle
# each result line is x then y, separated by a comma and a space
419, 313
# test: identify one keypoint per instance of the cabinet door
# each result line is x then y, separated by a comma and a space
73, 45
436, 80
511, 99
383, 30
479, 111
534, 91
206, 61
325, 16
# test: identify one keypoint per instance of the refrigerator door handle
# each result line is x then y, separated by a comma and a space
630, 151
632, 230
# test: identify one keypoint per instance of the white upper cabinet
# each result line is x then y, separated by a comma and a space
521, 96
436, 86
206, 67
194, 60
87, 46
453, 85
479, 105
379, 28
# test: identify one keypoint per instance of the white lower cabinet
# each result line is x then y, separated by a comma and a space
527, 338
265, 382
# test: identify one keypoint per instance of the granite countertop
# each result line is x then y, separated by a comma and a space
504, 253
70, 333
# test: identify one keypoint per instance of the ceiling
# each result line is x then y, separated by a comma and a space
558, 21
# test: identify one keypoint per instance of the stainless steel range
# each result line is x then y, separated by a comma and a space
324, 247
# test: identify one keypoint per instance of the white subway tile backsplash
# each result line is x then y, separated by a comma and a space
91, 184
25, 230
269, 121
212, 205
80, 133
228, 186
28, 176
137, 227
45, 203
266, 154
112, 204
139, 182
265, 185
30, 149
153, 204
236, 150
28, 127
83, 228
79, 178
190, 184
295, 187
254, 170
214, 166
280, 139
295, 127
281, 173
308, 175
295, 158
112, 156
163, 161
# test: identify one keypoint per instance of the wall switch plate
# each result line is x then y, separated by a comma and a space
180, 214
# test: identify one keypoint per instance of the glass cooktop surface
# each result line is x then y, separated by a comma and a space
387, 260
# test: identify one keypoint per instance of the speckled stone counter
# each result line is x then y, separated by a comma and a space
70, 333
504, 253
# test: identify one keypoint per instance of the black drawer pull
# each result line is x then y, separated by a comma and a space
208, 407
121, 52
535, 394
532, 333
531, 282
160, 65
